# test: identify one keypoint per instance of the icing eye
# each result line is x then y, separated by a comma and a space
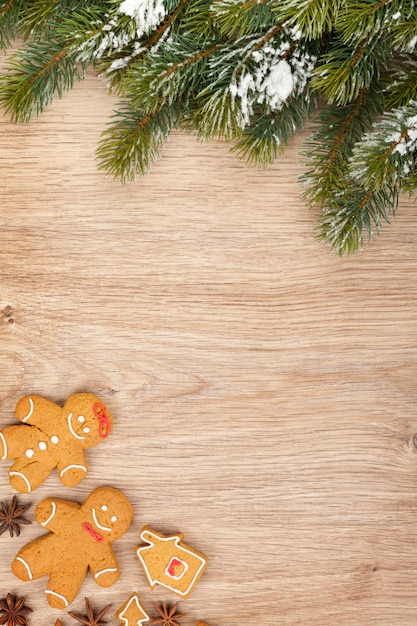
114, 519
81, 419
86, 430
104, 507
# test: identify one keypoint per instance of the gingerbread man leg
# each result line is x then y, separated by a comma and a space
27, 474
39, 558
63, 586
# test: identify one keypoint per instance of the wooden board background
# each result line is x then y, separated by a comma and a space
264, 390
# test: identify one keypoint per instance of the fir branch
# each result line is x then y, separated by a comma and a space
134, 140
43, 13
198, 20
116, 64
246, 74
363, 19
403, 85
386, 155
220, 116
119, 40
240, 70
245, 17
344, 72
167, 75
166, 24
330, 147
35, 74
11, 12
409, 184
352, 211
269, 134
313, 18
404, 31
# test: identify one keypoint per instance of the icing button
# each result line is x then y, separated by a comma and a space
42, 445
29, 453
54, 439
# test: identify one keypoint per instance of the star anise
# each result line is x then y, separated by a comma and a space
90, 619
11, 517
13, 611
168, 615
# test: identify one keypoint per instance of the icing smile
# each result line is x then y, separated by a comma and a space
71, 429
97, 523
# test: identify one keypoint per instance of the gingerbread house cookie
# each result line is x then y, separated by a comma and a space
169, 562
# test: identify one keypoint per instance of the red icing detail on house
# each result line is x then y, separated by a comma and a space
176, 568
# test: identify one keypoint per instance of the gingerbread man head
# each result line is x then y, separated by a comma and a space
108, 514
88, 420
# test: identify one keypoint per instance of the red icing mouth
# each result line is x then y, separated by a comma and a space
99, 411
92, 532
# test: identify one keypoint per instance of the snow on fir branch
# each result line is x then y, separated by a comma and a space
247, 71
388, 154
270, 74
147, 13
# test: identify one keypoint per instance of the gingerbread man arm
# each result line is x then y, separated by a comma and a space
104, 566
72, 466
53, 514
35, 410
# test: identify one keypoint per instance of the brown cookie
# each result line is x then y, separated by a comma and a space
53, 436
170, 562
132, 612
79, 539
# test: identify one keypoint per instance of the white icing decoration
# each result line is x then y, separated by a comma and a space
42, 445
97, 523
104, 507
70, 467
19, 558
29, 453
86, 430
72, 431
114, 519
81, 419
24, 478
53, 593
46, 522
103, 571
54, 439
4, 446
30, 410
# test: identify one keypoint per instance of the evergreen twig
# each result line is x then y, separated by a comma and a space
247, 71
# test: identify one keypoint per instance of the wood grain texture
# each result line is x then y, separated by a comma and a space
264, 390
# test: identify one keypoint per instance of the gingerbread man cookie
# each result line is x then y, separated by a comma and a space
79, 539
53, 436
